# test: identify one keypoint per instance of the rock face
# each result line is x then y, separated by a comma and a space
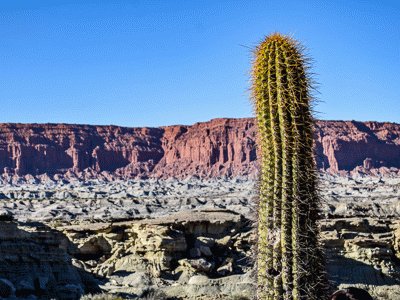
34, 262
360, 252
204, 254
357, 146
186, 255
220, 147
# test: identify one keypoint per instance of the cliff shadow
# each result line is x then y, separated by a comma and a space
35, 261
343, 270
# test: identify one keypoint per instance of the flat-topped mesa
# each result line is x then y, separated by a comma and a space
220, 147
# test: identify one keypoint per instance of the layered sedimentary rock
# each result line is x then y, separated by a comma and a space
358, 146
220, 147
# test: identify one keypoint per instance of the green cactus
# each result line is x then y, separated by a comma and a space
290, 261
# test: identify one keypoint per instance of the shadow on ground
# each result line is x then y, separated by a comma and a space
34, 262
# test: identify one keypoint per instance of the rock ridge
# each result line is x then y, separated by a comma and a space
217, 148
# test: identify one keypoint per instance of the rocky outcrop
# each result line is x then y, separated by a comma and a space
34, 262
369, 147
362, 249
209, 255
196, 253
220, 147
183, 255
205, 254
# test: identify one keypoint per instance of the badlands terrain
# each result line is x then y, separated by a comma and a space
182, 239
169, 213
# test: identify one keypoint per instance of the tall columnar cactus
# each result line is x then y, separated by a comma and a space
290, 261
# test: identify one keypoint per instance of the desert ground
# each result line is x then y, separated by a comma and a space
181, 239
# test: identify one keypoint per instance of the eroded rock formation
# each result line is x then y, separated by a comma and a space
220, 147
185, 255
34, 262
186, 239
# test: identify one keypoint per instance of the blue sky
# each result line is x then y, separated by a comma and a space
152, 63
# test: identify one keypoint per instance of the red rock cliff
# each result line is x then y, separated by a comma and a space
216, 148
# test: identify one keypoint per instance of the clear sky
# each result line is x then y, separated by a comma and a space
151, 63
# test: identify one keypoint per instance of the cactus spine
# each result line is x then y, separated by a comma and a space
290, 261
